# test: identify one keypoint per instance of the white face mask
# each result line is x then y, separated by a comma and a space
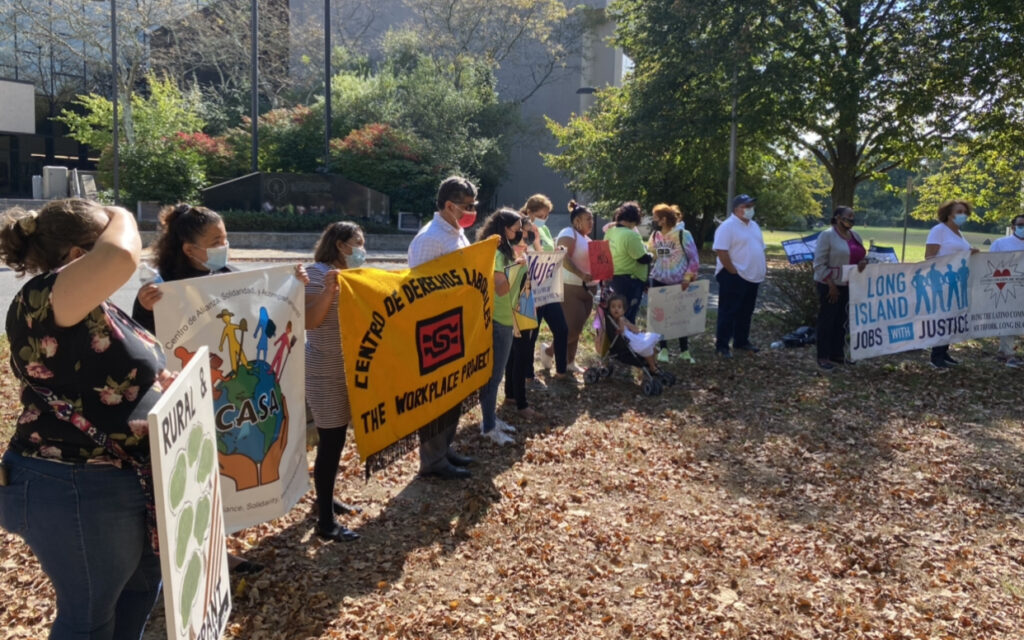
356, 259
216, 257
749, 213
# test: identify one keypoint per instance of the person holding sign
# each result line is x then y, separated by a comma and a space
837, 247
524, 329
675, 262
1012, 242
629, 256
340, 247
537, 209
578, 300
740, 269
456, 210
507, 225
76, 481
944, 239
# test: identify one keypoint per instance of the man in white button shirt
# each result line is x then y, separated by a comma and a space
739, 270
456, 210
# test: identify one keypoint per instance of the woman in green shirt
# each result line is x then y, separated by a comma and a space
629, 256
507, 225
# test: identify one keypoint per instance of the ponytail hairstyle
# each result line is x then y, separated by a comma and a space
495, 225
536, 202
576, 210
180, 224
327, 250
39, 241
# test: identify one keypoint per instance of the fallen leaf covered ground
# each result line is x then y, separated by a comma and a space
756, 498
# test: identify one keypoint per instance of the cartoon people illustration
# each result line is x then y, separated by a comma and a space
953, 282
935, 281
284, 346
262, 334
920, 284
234, 346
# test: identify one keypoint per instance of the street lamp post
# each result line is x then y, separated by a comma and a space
327, 85
114, 75
255, 77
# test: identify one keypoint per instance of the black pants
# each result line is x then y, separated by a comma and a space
684, 342
940, 354
325, 471
553, 315
736, 301
516, 367
833, 323
633, 290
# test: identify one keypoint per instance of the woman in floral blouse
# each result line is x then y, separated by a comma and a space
78, 482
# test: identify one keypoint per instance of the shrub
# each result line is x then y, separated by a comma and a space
792, 300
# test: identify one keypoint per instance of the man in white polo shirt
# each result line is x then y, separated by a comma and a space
1013, 242
739, 270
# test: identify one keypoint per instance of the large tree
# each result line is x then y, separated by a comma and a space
863, 85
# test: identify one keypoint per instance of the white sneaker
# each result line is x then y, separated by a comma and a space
572, 368
504, 427
498, 437
545, 360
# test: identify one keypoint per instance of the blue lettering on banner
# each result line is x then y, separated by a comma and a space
901, 332
881, 310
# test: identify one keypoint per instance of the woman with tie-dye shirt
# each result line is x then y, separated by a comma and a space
675, 261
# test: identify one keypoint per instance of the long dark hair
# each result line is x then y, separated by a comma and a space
327, 250
495, 225
34, 242
180, 224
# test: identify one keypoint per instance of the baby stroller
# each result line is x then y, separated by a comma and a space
612, 345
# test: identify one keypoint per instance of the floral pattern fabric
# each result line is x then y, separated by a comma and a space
84, 385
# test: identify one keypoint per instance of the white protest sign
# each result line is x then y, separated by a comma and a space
546, 276
997, 294
193, 556
898, 307
253, 322
675, 313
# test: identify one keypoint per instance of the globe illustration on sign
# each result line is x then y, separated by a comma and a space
251, 412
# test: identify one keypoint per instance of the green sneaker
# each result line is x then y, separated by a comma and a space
686, 357
663, 355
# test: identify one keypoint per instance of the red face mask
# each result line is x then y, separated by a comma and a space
467, 219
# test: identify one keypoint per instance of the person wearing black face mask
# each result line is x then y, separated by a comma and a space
837, 247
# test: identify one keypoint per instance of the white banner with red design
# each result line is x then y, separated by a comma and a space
900, 307
253, 322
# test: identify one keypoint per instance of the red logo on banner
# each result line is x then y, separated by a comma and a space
439, 340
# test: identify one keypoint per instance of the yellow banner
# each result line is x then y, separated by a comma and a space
416, 343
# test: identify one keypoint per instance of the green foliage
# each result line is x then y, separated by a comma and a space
984, 172
795, 300
156, 162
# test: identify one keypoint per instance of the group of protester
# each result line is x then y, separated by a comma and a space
76, 480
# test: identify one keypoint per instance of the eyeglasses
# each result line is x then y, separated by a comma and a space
469, 206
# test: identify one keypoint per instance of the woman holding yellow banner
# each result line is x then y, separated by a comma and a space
339, 247
507, 225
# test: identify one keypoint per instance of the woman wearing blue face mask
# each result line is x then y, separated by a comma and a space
340, 247
192, 242
944, 239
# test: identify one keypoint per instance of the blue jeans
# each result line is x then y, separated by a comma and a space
87, 526
489, 392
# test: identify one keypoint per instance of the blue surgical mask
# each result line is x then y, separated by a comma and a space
539, 222
750, 213
216, 257
356, 259
960, 219
1019, 232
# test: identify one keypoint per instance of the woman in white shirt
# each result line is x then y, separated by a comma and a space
578, 299
944, 239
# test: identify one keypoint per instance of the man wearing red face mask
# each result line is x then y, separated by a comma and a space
456, 210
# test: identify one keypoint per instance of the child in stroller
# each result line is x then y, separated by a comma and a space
627, 344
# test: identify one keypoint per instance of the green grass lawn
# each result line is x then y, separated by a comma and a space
883, 236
